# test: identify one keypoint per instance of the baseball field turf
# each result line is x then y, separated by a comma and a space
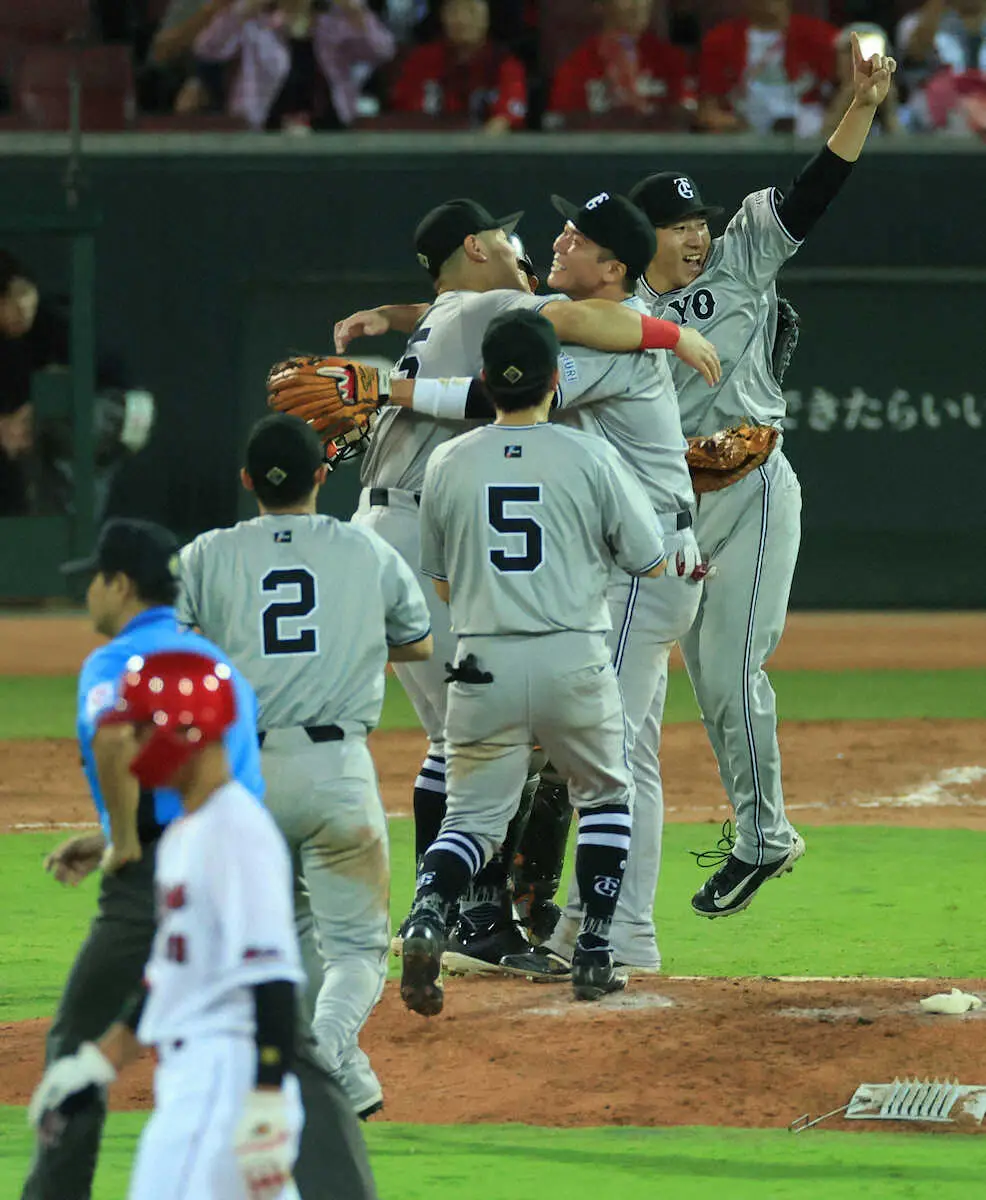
878, 897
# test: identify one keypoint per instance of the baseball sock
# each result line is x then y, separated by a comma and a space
450, 863
601, 851
429, 803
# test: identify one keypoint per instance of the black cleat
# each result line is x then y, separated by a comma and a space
421, 966
538, 964
593, 974
476, 950
733, 887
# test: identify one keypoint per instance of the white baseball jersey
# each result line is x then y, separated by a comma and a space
306, 607
225, 919
630, 400
446, 342
734, 304
525, 522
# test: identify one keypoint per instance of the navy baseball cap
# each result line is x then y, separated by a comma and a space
285, 451
145, 552
615, 223
520, 354
443, 230
671, 196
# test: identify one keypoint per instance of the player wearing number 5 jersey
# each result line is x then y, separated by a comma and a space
520, 523
751, 529
310, 609
217, 1001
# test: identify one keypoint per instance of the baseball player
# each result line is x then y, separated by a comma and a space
751, 529
275, 592
217, 1001
475, 269
520, 523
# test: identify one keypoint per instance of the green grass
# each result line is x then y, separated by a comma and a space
40, 706
414, 1162
866, 901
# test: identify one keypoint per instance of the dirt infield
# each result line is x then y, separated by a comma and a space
717, 1052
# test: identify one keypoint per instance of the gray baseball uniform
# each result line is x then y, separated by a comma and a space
629, 399
306, 607
525, 523
447, 342
750, 531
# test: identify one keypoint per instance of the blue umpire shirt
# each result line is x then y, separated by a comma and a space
99, 684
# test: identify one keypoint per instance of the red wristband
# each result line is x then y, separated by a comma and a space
656, 334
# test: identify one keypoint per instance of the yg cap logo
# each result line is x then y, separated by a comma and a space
606, 885
685, 188
597, 200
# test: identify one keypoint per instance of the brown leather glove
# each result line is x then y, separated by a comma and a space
724, 458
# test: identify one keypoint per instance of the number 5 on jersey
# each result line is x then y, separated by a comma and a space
498, 497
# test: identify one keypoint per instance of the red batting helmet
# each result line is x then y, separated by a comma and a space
189, 700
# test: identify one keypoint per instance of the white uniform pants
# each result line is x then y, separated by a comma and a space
186, 1149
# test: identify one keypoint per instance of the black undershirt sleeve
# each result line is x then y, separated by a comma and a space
479, 403
815, 187
133, 1009
275, 1018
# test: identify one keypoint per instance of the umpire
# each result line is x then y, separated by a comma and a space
130, 598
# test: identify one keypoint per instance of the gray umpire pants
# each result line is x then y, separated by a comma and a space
332, 1164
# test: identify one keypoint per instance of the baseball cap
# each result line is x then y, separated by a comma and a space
285, 452
142, 550
612, 221
520, 353
669, 196
443, 230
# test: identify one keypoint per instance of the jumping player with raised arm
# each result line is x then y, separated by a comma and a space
751, 529
520, 524
217, 1002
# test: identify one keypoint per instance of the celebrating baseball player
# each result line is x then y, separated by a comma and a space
520, 524
749, 514
217, 1001
475, 269
274, 591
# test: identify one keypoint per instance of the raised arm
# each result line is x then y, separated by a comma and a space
373, 322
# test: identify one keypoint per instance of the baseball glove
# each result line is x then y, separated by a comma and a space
785, 338
724, 458
334, 395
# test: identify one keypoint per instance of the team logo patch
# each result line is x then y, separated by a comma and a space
686, 189
282, 536
423, 259
569, 368
513, 374
276, 476
606, 885
512, 452
261, 954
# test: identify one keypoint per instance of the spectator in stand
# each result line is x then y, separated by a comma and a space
463, 73
943, 52
872, 40
301, 64
625, 67
769, 71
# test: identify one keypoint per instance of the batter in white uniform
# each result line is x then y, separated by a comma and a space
219, 990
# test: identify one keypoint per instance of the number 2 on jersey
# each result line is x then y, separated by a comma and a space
301, 601
498, 497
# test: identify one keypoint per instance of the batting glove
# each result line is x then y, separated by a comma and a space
264, 1146
88, 1067
685, 562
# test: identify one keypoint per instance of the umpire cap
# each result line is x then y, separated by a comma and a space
520, 356
443, 230
142, 550
671, 196
615, 223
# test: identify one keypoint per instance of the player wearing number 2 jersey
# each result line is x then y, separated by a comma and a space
520, 523
310, 609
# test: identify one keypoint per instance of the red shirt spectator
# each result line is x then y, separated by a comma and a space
624, 67
464, 73
771, 69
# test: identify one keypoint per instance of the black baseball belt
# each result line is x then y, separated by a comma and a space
316, 733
